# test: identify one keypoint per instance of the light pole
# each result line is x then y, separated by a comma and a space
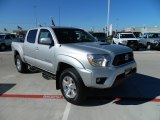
108, 14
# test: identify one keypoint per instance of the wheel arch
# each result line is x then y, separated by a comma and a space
60, 68
16, 52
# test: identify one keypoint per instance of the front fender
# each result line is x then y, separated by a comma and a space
69, 60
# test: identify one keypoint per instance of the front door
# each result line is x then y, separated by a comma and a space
45, 52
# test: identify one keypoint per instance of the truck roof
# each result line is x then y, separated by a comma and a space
125, 33
55, 27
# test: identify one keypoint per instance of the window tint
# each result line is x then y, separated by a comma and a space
32, 36
153, 35
8, 37
99, 34
13, 36
127, 36
2, 36
44, 33
71, 35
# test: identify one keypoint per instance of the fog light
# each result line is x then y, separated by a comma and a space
100, 80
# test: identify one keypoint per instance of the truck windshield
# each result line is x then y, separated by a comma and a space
154, 35
127, 36
70, 35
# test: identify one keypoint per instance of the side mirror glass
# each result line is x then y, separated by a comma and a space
46, 41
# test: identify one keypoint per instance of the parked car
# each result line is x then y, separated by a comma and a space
100, 36
127, 39
75, 59
6, 40
151, 40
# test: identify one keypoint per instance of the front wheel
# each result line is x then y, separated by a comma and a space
72, 86
20, 65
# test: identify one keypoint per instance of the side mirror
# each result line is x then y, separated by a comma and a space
46, 41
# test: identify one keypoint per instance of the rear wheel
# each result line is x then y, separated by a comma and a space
20, 65
72, 86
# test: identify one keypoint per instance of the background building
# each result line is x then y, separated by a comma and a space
143, 29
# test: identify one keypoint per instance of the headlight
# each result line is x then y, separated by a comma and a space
97, 60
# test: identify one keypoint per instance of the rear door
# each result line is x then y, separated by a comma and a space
45, 52
30, 47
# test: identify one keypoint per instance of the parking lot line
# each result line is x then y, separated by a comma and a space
31, 96
9, 76
66, 111
61, 97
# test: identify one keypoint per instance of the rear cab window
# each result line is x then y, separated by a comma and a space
31, 37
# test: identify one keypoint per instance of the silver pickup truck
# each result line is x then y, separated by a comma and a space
75, 59
151, 40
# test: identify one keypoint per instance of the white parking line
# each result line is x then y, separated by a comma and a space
9, 76
66, 112
147, 52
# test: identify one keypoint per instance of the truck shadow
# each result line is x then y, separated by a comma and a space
5, 87
135, 91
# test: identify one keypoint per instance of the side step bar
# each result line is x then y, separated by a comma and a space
48, 76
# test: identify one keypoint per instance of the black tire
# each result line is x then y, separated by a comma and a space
76, 89
3, 47
20, 65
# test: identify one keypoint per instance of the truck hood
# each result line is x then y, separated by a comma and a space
95, 48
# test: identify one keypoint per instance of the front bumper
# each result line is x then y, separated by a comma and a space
133, 44
113, 75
